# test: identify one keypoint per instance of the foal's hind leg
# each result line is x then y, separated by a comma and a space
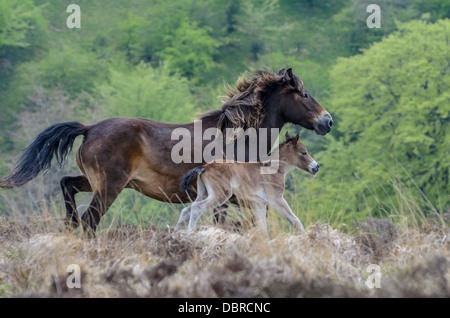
220, 214
70, 186
212, 201
184, 218
202, 194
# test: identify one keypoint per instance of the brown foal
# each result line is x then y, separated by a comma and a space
218, 181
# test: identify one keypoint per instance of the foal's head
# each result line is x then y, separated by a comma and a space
296, 153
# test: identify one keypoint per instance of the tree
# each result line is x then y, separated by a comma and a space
390, 106
18, 19
148, 92
258, 25
189, 50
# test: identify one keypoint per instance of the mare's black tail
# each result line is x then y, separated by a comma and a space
57, 140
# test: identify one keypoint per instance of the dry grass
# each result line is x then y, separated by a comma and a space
218, 262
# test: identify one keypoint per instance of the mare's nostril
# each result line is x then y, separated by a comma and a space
330, 123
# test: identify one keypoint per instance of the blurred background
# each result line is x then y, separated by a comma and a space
387, 89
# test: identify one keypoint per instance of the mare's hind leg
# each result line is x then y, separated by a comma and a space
103, 198
70, 186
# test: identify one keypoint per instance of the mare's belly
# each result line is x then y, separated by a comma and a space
157, 186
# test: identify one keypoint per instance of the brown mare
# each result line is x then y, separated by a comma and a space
119, 153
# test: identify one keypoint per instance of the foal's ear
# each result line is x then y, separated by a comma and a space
296, 140
287, 136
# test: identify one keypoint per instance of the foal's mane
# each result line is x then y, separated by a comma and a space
245, 105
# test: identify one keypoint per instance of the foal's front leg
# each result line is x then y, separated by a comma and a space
260, 209
283, 207
184, 218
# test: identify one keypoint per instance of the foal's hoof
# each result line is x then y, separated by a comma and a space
68, 225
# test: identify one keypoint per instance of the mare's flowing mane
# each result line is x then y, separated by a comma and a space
245, 105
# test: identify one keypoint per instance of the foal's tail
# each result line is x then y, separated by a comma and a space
187, 179
37, 157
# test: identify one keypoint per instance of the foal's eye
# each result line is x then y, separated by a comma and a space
304, 153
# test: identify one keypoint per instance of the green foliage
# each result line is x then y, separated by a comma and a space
352, 18
148, 92
22, 35
18, 19
190, 50
392, 115
437, 9
183, 39
254, 34
69, 68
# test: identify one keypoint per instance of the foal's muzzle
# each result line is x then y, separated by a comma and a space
314, 168
323, 124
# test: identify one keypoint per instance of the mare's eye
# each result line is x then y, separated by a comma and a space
304, 95
304, 153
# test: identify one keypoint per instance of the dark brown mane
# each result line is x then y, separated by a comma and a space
245, 106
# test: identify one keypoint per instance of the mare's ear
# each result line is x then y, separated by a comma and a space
288, 77
281, 72
289, 73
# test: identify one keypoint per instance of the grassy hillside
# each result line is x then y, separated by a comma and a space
219, 262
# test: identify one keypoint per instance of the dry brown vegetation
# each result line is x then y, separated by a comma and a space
219, 262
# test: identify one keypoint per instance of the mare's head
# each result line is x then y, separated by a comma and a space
273, 99
296, 153
297, 106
